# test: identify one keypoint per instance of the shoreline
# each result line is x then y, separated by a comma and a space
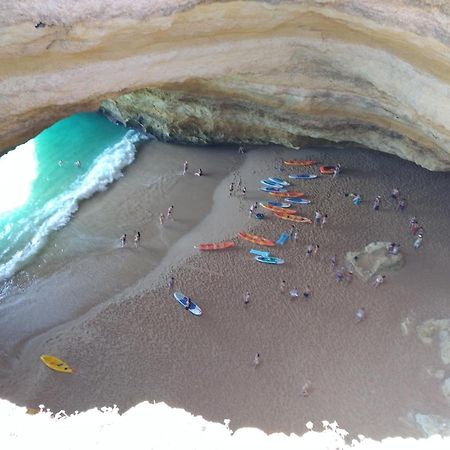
368, 376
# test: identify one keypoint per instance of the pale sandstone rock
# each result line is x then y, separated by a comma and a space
373, 260
374, 72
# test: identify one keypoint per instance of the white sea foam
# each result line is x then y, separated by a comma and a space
57, 212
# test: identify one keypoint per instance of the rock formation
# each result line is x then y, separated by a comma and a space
373, 260
374, 72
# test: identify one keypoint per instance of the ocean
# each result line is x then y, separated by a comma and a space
43, 181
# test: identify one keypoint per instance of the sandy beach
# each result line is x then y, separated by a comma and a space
110, 314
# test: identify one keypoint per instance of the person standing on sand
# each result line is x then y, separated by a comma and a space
244, 191
295, 236
257, 360
185, 167
379, 280
395, 194
231, 188
169, 213
250, 211
337, 170
306, 389
324, 220
123, 240
246, 298
316, 249
376, 203
137, 239
360, 314
309, 250
333, 260
401, 205
356, 200
317, 217
418, 242
283, 286
171, 283
161, 219
340, 275
307, 293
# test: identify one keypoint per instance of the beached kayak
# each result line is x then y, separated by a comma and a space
298, 201
292, 218
271, 183
279, 204
276, 209
290, 194
284, 236
256, 239
273, 189
279, 181
55, 363
327, 170
269, 260
303, 176
182, 300
215, 246
299, 162
259, 253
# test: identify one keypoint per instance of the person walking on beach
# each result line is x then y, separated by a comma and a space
250, 211
231, 188
246, 298
376, 203
123, 240
244, 191
418, 242
337, 170
316, 249
137, 239
169, 213
283, 286
171, 283
309, 250
185, 167
257, 360
161, 219
360, 314
333, 261
324, 220
317, 217
379, 280
395, 194
307, 293
401, 205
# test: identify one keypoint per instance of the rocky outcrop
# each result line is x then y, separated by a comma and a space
440, 327
373, 260
374, 72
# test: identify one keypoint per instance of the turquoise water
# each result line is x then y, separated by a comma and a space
42, 183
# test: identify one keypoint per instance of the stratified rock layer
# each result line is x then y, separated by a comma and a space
371, 71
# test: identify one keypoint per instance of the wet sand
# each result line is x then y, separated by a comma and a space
136, 343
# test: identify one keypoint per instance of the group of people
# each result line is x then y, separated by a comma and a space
198, 172
136, 240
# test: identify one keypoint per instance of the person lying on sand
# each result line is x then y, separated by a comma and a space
199, 172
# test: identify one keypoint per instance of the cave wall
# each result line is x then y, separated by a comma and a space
374, 72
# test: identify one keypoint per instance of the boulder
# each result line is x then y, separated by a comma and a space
373, 260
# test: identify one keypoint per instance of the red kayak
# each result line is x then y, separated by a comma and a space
216, 246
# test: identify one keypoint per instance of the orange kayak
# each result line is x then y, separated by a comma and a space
287, 194
298, 219
256, 239
216, 246
299, 162
328, 170
278, 210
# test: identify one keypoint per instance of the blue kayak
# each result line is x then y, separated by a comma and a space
279, 181
283, 238
271, 183
273, 189
269, 260
303, 176
298, 201
182, 300
279, 204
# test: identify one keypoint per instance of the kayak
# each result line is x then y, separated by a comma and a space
215, 246
328, 170
256, 239
273, 189
259, 253
279, 204
298, 201
276, 209
271, 183
284, 236
292, 218
279, 181
303, 176
291, 194
299, 162
269, 260
182, 300
55, 363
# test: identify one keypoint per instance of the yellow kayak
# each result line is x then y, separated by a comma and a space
56, 364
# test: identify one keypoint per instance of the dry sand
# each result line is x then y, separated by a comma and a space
141, 345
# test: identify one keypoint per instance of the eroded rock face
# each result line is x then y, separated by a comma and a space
371, 71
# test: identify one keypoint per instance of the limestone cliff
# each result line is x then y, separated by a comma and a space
371, 71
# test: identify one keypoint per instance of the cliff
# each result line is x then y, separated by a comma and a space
374, 72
